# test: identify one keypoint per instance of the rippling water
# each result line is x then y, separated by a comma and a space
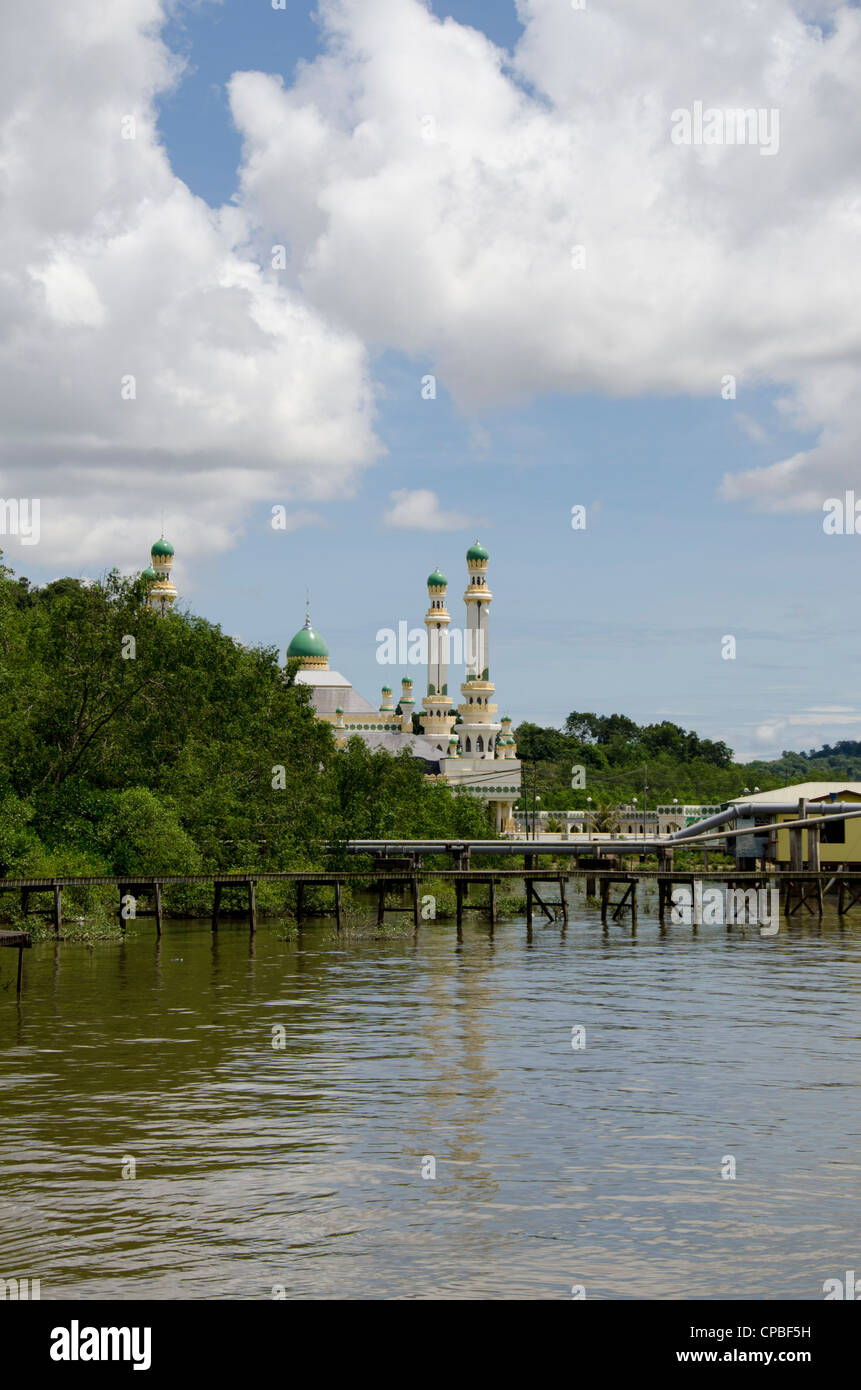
261, 1168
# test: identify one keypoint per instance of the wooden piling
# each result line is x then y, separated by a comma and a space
252, 904
58, 907
338, 905
19, 940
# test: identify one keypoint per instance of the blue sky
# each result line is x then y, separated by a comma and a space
630, 613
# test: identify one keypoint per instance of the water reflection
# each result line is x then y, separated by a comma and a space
301, 1166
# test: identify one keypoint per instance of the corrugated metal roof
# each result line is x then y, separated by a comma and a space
811, 791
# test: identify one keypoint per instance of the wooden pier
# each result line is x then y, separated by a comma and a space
397, 884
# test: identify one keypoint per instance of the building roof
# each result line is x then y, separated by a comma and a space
811, 791
329, 689
420, 747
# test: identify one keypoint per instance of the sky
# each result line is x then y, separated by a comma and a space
426, 273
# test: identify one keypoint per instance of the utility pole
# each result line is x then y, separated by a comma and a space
645, 789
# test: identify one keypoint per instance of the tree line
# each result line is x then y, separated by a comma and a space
135, 743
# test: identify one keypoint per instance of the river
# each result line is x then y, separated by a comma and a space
226, 1116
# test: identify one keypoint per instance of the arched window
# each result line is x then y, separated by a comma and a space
479, 744
468, 746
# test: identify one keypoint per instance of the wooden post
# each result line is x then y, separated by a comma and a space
252, 903
813, 858
20, 968
840, 897
564, 900
529, 893
605, 893
158, 913
338, 904
492, 904
415, 885
58, 907
215, 906
381, 902
458, 893
795, 850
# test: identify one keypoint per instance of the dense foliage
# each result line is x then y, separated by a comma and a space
134, 743
617, 755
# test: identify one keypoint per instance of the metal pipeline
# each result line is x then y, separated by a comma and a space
772, 808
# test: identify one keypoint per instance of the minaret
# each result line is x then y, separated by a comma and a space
508, 748
407, 704
161, 593
438, 717
477, 731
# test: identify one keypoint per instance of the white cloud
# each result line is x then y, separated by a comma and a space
419, 510
432, 196
449, 239
244, 394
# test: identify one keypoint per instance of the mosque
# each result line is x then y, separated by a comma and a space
467, 747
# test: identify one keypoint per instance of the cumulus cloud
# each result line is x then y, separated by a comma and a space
146, 358
528, 226
523, 222
419, 510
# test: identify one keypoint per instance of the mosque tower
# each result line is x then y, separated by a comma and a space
438, 716
477, 730
161, 592
407, 703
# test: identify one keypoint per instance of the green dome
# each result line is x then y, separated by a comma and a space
339, 709
149, 574
437, 580
477, 552
387, 690
307, 642
162, 547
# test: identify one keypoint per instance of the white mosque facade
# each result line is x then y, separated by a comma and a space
469, 747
